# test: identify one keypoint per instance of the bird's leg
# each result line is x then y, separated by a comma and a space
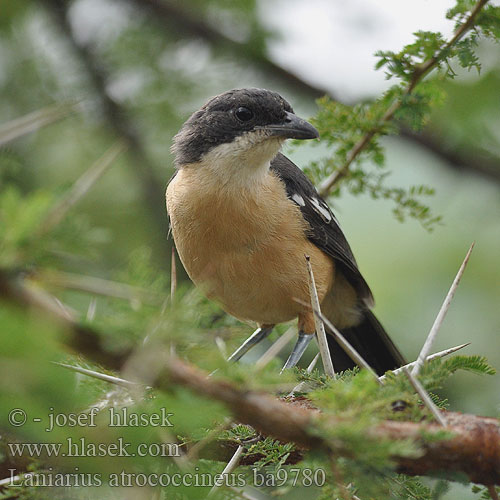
259, 334
298, 350
307, 328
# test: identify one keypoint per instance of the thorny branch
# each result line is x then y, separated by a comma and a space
473, 449
178, 18
456, 156
79, 338
420, 72
426, 349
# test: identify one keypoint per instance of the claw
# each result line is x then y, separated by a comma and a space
255, 338
298, 350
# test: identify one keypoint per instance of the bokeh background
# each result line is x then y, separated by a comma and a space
137, 69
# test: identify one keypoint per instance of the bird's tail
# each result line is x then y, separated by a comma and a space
371, 341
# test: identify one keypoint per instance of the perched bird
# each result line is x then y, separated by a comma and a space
243, 216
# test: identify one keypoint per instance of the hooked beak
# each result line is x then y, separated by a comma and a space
292, 128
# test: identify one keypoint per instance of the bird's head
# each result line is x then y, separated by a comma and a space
242, 126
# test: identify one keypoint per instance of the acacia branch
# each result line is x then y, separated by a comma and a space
176, 18
117, 118
462, 159
473, 449
79, 338
419, 73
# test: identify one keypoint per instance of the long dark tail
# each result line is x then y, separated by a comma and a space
371, 341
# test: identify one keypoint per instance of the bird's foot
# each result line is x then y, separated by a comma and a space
298, 350
254, 339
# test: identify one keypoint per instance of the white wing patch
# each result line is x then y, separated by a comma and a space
322, 209
299, 200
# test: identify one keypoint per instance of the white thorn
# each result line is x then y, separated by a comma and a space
232, 464
320, 327
91, 309
440, 354
310, 368
425, 397
348, 348
100, 376
426, 349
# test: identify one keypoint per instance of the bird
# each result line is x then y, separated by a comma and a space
243, 216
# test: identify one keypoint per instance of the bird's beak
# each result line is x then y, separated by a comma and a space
292, 127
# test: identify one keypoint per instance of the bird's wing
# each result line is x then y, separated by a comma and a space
325, 231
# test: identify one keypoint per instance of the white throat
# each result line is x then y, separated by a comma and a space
241, 164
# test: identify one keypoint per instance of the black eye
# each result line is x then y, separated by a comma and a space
244, 114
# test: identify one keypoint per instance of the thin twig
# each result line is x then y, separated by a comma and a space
8, 481
98, 286
275, 348
420, 72
326, 358
348, 348
440, 354
440, 317
100, 376
91, 309
116, 115
221, 345
81, 338
458, 157
63, 310
313, 363
35, 120
425, 397
81, 187
493, 492
66, 310
230, 467
310, 368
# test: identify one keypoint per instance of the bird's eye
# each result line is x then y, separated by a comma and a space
244, 114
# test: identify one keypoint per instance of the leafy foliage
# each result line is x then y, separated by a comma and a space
354, 132
483, 493
143, 318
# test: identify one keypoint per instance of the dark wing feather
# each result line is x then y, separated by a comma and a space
324, 232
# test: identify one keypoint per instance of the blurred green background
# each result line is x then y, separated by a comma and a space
137, 69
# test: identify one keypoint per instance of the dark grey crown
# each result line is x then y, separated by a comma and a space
217, 122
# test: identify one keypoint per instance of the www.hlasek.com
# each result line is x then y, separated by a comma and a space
82, 447
196, 479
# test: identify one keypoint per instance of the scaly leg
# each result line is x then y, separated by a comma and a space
259, 334
298, 350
